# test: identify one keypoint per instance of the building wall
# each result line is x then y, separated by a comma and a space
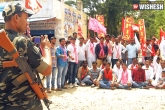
71, 19
63, 23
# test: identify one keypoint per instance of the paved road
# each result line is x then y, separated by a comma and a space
86, 98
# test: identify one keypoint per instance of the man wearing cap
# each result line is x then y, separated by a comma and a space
22, 97
52, 77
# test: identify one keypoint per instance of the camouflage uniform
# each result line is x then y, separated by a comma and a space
20, 97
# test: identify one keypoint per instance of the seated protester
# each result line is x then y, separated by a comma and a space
149, 72
83, 76
139, 77
125, 78
105, 78
103, 64
134, 64
94, 73
117, 68
161, 82
159, 73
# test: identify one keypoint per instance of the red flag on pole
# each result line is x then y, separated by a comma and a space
127, 34
142, 35
162, 34
33, 5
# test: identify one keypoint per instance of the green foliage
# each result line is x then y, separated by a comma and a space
154, 20
71, 3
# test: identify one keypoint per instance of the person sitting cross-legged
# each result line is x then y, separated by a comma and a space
105, 78
83, 76
117, 68
149, 72
139, 77
161, 82
94, 73
124, 80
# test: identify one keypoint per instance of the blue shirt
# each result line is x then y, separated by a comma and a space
60, 61
132, 50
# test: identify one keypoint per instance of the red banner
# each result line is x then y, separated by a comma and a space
128, 28
123, 25
142, 35
33, 5
100, 19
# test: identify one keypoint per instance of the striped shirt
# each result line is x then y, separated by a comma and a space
53, 53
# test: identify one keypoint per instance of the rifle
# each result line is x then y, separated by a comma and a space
21, 63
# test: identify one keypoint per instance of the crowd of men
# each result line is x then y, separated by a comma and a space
106, 62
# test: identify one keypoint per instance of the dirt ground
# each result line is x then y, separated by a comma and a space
87, 98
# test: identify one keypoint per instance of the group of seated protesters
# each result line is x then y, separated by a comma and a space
136, 75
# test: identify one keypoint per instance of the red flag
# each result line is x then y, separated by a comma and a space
142, 35
33, 5
135, 27
128, 28
162, 34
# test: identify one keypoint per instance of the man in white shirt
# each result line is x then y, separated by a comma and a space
149, 72
81, 53
156, 63
75, 36
159, 73
109, 45
117, 68
90, 51
117, 49
73, 61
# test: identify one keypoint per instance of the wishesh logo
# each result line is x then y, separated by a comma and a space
135, 6
151, 6
145, 5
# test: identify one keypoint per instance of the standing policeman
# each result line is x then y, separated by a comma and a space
21, 97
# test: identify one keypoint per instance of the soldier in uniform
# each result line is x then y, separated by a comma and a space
21, 97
